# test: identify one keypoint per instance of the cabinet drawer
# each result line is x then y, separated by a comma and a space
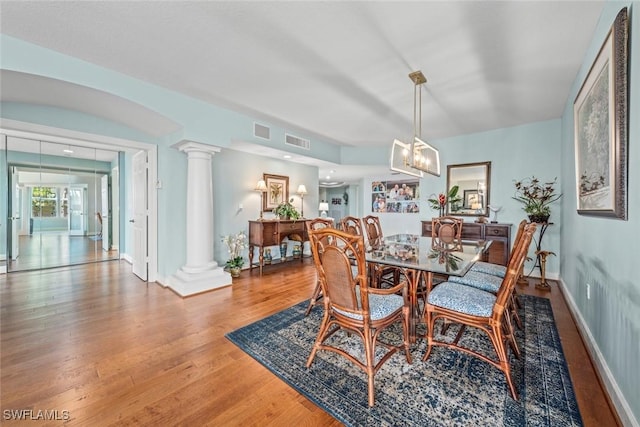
293, 227
472, 231
496, 231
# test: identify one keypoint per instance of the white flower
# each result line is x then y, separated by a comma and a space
236, 243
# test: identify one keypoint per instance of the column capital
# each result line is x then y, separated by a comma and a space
190, 146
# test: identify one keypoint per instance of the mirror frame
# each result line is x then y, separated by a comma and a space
484, 212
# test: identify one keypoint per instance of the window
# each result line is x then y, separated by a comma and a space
44, 202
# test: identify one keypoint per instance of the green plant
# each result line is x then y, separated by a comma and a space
286, 210
442, 200
236, 243
536, 195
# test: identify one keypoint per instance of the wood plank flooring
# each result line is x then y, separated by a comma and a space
56, 249
110, 349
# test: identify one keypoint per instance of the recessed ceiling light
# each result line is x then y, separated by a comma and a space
68, 151
328, 176
286, 156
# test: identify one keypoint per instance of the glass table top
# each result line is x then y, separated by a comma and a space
416, 252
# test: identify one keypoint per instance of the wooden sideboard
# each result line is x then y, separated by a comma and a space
267, 233
499, 234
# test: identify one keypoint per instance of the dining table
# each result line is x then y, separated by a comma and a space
421, 258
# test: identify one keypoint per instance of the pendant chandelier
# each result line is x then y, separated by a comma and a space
415, 157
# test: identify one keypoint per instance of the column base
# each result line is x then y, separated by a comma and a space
185, 284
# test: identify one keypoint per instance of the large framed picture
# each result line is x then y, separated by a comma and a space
601, 127
277, 191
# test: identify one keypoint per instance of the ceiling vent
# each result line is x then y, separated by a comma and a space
261, 131
297, 141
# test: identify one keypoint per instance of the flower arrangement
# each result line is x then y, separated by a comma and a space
536, 197
443, 198
286, 210
236, 243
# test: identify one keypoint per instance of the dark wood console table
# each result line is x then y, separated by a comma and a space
271, 233
499, 234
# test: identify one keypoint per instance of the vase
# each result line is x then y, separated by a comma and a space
297, 251
267, 256
539, 218
235, 271
283, 250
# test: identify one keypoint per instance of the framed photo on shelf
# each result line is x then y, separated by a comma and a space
277, 191
600, 115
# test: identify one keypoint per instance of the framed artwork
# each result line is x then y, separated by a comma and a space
601, 127
277, 191
472, 199
395, 196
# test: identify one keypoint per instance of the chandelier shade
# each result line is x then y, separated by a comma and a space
417, 156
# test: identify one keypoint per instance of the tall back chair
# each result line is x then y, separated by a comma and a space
351, 305
496, 269
373, 230
472, 307
351, 225
380, 274
317, 224
446, 229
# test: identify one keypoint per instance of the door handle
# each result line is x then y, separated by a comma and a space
132, 220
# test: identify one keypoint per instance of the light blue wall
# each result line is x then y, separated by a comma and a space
603, 252
590, 249
514, 153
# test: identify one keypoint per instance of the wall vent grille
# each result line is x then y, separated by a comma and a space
261, 131
297, 141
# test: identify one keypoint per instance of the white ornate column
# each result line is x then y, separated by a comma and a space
200, 273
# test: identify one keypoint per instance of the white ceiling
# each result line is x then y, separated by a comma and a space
334, 69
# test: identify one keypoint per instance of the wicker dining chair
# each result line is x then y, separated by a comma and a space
488, 277
380, 274
350, 304
472, 307
351, 225
317, 224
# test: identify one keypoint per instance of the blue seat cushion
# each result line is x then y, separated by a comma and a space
483, 281
380, 306
489, 268
463, 299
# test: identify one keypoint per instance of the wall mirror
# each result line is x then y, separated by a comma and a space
474, 184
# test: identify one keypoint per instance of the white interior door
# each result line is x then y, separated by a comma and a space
139, 220
114, 222
78, 209
15, 215
104, 212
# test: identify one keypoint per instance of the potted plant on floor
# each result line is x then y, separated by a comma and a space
236, 243
536, 197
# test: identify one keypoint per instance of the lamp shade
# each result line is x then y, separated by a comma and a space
302, 190
324, 206
261, 186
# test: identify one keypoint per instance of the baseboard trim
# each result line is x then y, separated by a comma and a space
616, 398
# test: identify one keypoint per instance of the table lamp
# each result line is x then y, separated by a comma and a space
261, 186
302, 190
324, 207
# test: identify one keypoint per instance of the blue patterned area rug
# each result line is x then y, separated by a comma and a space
450, 388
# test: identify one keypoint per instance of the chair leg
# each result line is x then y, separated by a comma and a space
324, 327
405, 332
369, 350
314, 298
498, 344
430, 322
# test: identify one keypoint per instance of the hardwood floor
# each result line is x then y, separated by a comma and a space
110, 349
55, 249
